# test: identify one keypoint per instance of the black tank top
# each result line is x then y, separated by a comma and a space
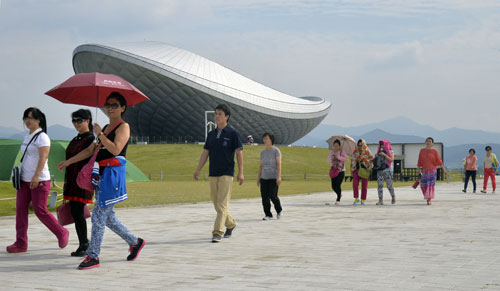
103, 152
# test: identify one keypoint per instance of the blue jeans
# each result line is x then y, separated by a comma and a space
102, 217
470, 174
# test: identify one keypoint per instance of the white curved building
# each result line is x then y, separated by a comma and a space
183, 85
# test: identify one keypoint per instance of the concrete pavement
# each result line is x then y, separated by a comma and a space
453, 244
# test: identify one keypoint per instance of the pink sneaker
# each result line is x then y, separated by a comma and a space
63, 241
15, 249
89, 263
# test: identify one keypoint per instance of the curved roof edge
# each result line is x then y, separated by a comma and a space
290, 107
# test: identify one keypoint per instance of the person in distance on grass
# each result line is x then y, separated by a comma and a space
269, 177
220, 147
111, 187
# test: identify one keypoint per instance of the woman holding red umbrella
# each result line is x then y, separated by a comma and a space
113, 140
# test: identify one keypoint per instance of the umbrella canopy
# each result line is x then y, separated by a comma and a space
347, 143
92, 89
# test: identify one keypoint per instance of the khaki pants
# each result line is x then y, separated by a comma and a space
220, 192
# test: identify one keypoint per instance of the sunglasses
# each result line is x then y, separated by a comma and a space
112, 106
77, 120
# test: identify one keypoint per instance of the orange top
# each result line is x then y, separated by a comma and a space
429, 159
471, 163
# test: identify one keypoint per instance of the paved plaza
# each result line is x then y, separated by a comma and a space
452, 245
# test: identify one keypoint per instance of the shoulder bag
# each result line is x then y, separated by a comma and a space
363, 173
64, 216
16, 171
84, 178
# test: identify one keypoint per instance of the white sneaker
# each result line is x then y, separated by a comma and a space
278, 216
267, 218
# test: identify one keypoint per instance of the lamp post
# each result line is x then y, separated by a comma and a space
207, 123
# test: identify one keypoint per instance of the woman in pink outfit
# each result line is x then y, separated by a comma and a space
35, 183
470, 170
490, 165
337, 158
428, 161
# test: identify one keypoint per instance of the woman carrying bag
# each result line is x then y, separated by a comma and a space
361, 164
35, 183
112, 149
78, 197
337, 158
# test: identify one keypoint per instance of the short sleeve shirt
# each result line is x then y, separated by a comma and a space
269, 163
30, 161
221, 146
470, 165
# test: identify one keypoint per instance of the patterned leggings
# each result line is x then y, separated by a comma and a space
102, 217
385, 175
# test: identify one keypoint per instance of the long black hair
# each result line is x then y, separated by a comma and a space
119, 97
38, 115
85, 115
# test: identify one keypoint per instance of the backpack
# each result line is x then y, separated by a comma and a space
379, 163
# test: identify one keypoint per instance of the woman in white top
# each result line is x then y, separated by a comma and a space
35, 183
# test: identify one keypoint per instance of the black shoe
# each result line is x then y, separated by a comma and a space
136, 249
465, 191
80, 251
89, 263
229, 232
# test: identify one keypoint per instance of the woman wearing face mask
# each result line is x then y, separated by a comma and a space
35, 183
78, 197
361, 158
113, 139
385, 150
428, 161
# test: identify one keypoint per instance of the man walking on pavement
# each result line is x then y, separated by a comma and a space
221, 145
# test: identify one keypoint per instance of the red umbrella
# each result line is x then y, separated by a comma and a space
92, 89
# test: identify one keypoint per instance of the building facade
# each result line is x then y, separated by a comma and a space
182, 86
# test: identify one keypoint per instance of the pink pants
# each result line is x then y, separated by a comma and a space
38, 197
488, 172
355, 185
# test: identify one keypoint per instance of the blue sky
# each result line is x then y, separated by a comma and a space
436, 62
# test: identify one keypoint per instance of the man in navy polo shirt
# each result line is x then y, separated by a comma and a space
220, 147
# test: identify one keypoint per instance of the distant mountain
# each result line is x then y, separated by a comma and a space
453, 156
404, 129
57, 131
8, 132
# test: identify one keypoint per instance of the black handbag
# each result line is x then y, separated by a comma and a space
16, 171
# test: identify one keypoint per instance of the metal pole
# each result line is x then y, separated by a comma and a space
206, 122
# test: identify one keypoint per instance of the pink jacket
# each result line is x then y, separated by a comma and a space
341, 159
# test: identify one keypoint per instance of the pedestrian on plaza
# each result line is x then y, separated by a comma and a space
470, 170
361, 164
490, 167
269, 177
111, 187
220, 147
384, 159
35, 183
78, 197
428, 161
336, 159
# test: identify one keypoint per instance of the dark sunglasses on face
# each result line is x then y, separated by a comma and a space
77, 120
112, 106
